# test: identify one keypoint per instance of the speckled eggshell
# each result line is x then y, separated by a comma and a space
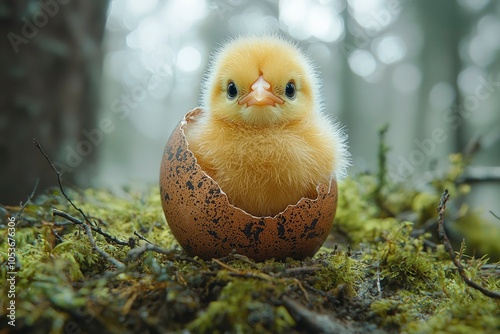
207, 225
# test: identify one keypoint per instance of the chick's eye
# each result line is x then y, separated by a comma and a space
290, 90
232, 91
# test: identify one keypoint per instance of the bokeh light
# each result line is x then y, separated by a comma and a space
474, 5
489, 28
180, 15
305, 18
441, 96
142, 7
188, 59
372, 15
253, 20
362, 63
480, 51
469, 79
390, 49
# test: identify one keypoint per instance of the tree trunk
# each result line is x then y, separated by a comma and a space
50, 56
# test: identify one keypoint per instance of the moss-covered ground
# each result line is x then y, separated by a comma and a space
381, 269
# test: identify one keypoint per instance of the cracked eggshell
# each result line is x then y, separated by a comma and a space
206, 225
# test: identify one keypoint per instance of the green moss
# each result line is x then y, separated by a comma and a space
339, 269
396, 279
244, 306
403, 261
405, 308
462, 310
481, 235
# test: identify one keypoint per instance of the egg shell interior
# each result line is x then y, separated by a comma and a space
207, 225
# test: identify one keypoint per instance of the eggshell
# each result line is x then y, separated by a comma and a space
206, 225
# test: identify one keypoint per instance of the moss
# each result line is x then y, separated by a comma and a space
481, 235
245, 306
339, 270
405, 308
394, 278
403, 261
462, 310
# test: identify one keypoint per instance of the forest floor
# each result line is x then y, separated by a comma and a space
109, 264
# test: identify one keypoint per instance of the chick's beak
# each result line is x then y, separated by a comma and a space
260, 94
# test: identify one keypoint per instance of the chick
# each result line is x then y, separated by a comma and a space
262, 135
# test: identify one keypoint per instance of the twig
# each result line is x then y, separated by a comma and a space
480, 174
297, 271
494, 215
316, 322
138, 251
258, 275
235, 256
447, 245
140, 236
63, 223
490, 269
379, 288
322, 293
59, 181
103, 253
88, 230
472, 147
89, 227
135, 252
97, 229
246, 260
19, 213
245, 274
227, 267
301, 287
30, 197
57, 235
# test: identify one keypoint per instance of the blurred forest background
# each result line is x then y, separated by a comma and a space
101, 84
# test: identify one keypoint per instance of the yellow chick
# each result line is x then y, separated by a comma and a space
262, 136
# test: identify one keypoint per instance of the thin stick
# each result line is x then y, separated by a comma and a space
481, 174
136, 252
227, 267
313, 321
59, 181
297, 271
88, 231
63, 214
140, 236
103, 253
97, 229
447, 245
494, 215
246, 274
89, 227
379, 288
30, 197
235, 256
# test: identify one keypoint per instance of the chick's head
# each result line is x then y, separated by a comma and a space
261, 81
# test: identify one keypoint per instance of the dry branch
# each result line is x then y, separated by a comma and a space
109, 238
87, 225
59, 180
314, 321
446, 242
